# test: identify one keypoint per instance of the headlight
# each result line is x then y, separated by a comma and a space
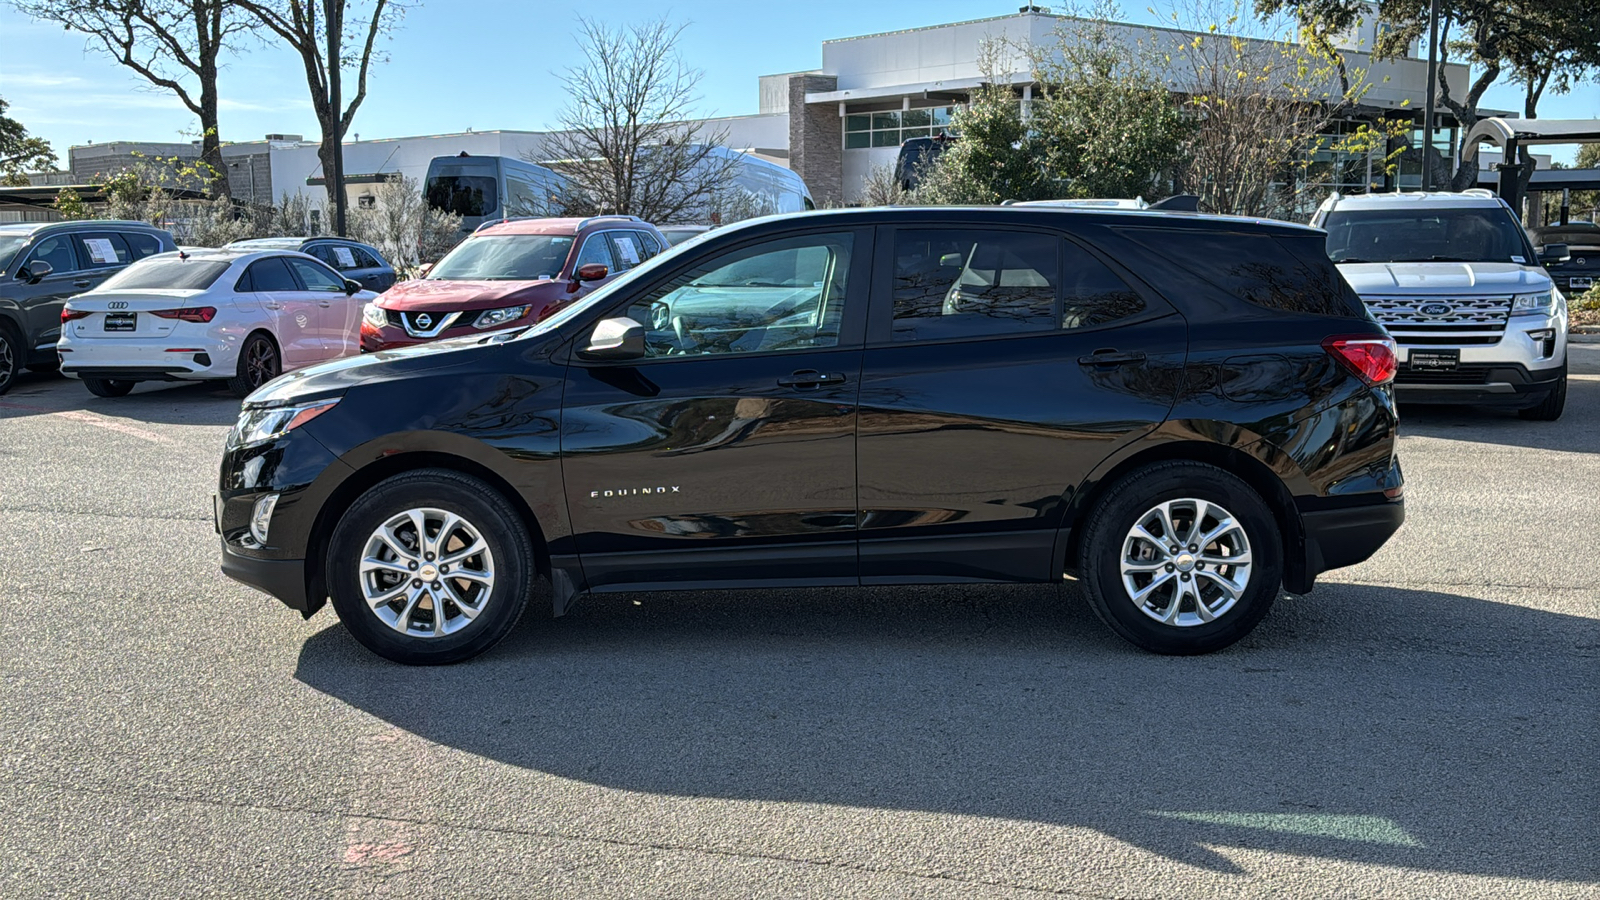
375, 316
257, 426
1540, 304
496, 317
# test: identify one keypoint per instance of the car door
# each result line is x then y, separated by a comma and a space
296, 313
1001, 367
41, 300
338, 315
727, 455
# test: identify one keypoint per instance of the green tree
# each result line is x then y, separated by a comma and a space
18, 151
70, 205
996, 156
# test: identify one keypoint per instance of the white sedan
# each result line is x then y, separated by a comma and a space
229, 315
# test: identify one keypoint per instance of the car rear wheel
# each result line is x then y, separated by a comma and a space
1181, 558
430, 567
259, 363
1553, 404
11, 356
106, 387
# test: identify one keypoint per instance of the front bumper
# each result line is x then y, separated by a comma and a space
282, 578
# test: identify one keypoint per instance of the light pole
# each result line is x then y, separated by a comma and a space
1427, 107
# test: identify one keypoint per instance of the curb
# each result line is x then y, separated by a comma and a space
1583, 337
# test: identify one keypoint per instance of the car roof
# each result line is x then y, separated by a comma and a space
1472, 198
1038, 215
559, 225
231, 253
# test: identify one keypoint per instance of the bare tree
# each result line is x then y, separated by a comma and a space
321, 31
173, 44
626, 140
402, 225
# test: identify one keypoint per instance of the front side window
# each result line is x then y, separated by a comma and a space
315, 277
1470, 234
779, 295
959, 283
55, 250
172, 272
505, 257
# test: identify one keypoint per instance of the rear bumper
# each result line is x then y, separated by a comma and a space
1336, 538
121, 360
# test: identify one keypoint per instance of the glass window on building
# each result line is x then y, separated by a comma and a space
891, 128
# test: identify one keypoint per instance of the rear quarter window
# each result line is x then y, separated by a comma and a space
1286, 273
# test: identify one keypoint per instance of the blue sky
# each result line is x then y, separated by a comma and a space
480, 64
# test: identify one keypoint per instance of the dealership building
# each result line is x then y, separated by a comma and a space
834, 124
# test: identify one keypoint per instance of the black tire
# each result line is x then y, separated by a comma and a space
1107, 530
1553, 404
259, 363
486, 512
105, 387
45, 367
11, 356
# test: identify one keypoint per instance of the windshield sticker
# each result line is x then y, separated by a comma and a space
629, 252
100, 250
345, 258
1518, 260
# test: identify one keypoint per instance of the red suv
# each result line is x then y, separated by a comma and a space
511, 272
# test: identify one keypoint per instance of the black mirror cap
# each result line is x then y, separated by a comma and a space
1554, 253
351, 287
36, 270
619, 338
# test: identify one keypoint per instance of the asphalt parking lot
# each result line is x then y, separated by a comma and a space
1423, 725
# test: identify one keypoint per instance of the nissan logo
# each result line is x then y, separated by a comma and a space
117, 304
424, 321
1435, 310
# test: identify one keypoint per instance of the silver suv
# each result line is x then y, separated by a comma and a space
1459, 287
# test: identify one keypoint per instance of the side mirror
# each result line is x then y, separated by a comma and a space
952, 260
424, 269
620, 338
39, 269
592, 272
1554, 253
351, 287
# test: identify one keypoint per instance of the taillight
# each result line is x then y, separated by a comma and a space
67, 314
188, 313
1370, 357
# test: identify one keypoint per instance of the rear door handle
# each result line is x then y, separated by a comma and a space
1111, 358
810, 378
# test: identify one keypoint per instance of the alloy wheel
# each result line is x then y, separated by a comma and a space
8, 363
1186, 562
260, 363
427, 573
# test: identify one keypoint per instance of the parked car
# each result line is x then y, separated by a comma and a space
1456, 282
677, 234
508, 273
42, 264
236, 315
352, 259
1578, 269
916, 156
1186, 412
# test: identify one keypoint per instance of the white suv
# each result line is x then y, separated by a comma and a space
1455, 281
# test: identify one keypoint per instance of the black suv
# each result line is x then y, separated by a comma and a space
1185, 413
41, 265
361, 263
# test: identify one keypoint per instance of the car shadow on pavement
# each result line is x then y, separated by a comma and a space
1371, 724
1577, 431
156, 403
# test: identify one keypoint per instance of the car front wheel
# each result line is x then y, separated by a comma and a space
106, 387
1552, 406
1182, 558
430, 567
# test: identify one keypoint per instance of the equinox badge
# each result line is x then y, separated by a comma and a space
629, 492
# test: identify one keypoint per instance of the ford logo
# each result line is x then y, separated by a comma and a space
1435, 310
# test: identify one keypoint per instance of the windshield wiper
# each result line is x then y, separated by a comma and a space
1353, 259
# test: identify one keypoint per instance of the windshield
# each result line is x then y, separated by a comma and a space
603, 293
167, 273
509, 257
1475, 234
8, 247
467, 195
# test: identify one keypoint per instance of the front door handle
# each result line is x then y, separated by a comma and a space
810, 378
82, 284
324, 304
1109, 357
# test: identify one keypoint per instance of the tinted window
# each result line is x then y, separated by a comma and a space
55, 250
342, 256
364, 258
954, 283
101, 251
315, 277
1472, 234
169, 272
1289, 273
142, 244
1092, 294
1584, 238
595, 250
271, 274
504, 257
649, 243
467, 195
627, 248
780, 295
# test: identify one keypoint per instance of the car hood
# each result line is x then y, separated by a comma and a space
424, 295
1444, 278
333, 378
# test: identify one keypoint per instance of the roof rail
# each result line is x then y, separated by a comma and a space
584, 223
1478, 192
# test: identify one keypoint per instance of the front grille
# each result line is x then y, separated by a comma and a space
1434, 321
1458, 375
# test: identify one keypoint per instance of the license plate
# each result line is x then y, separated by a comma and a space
122, 321
1576, 282
1434, 360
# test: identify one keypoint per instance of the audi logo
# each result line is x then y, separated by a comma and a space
117, 304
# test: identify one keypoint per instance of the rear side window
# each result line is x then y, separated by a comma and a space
271, 274
1289, 273
957, 283
142, 244
103, 251
1092, 294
